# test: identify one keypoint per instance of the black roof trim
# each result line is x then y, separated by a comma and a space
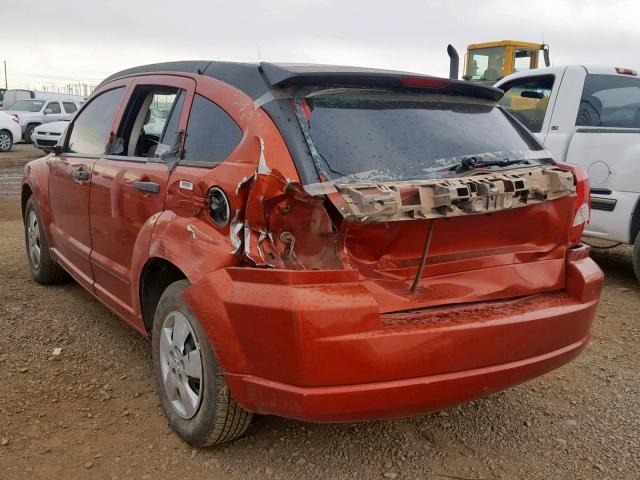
282, 75
257, 79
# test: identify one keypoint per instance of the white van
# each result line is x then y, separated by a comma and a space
589, 116
14, 95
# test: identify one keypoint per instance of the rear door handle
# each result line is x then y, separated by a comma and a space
80, 175
152, 187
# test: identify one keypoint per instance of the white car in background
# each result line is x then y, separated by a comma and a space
46, 136
589, 116
10, 132
33, 112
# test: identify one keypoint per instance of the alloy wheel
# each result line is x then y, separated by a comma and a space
181, 365
33, 239
5, 142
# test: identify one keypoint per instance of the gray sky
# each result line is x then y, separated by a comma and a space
86, 40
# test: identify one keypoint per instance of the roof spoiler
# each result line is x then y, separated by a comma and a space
285, 75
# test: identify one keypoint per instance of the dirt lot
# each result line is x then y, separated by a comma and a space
92, 411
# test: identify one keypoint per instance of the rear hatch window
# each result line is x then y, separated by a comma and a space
392, 136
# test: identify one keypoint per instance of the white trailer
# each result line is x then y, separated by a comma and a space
13, 95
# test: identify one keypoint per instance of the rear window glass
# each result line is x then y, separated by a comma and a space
390, 136
211, 134
610, 101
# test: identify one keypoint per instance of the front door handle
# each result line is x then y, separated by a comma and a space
152, 187
82, 175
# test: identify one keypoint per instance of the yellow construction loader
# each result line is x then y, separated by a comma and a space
489, 62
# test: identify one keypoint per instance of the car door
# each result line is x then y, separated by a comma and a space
52, 112
69, 182
606, 143
128, 185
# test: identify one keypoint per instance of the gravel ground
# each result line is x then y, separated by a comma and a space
92, 411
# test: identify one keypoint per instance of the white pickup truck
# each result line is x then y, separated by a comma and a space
589, 116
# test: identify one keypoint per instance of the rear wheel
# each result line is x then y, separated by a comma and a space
43, 268
193, 394
636, 256
6, 141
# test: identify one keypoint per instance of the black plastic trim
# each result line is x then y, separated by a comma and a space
601, 191
604, 204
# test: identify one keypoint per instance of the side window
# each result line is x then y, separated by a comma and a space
52, 107
527, 99
523, 58
610, 101
211, 134
90, 129
69, 107
150, 123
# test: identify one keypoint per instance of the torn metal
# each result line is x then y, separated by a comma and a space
281, 225
286, 225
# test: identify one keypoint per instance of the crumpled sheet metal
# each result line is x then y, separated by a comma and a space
476, 194
281, 225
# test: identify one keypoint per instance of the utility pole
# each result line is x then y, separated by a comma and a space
6, 84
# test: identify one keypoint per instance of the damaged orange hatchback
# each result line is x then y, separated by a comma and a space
323, 243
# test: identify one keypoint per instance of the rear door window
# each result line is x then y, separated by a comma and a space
528, 99
211, 134
610, 101
90, 129
69, 107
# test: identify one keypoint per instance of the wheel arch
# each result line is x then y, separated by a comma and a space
24, 197
156, 275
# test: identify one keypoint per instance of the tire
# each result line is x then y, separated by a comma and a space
6, 140
41, 264
213, 417
636, 256
28, 132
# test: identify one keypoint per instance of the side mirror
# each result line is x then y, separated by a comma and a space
48, 111
56, 149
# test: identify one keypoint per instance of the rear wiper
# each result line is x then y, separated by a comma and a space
471, 163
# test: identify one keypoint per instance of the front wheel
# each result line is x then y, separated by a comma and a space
6, 141
190, 383
41, 264
28, 132
636, 256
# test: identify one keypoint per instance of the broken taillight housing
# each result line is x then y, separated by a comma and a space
583, 202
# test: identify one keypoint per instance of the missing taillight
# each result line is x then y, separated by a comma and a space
583, 202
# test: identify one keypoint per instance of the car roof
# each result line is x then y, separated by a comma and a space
256, 79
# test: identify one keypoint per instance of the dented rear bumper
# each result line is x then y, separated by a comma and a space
312, 345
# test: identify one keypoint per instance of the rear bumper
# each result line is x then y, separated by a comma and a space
312, 345
399, 398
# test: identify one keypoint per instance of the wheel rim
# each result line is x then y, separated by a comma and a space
33, 239
5, 142
181, 365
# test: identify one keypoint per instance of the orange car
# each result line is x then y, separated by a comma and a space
322, 243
